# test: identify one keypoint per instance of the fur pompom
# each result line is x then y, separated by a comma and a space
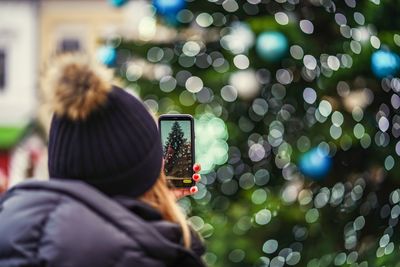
75, 87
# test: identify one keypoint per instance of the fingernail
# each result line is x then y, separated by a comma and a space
196, 177
194, 189
196, 167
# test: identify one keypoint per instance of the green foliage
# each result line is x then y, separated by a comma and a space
336, 221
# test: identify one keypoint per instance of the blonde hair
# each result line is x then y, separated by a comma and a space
161, 198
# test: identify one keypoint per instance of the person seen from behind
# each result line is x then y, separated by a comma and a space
107, 202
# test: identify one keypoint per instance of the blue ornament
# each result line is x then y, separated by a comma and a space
384, 63
107, 55
271, 46
117, 3
315, 163
169, 7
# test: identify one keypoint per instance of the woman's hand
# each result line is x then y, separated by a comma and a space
182, 192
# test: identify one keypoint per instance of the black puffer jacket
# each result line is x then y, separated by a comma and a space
70, 224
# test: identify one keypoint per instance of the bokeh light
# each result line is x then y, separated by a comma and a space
296, 108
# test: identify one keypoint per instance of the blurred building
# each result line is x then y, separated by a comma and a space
74, 25
31, 32
18, 73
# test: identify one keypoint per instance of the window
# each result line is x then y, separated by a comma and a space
2, 69
69, 45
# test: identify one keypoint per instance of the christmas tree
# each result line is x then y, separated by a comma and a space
297, 123
177, 153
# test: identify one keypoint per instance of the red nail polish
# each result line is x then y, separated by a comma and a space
196, 177
196, 167
193, 189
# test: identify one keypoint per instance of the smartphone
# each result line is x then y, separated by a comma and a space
177, 138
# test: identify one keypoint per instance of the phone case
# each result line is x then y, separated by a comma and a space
179, 153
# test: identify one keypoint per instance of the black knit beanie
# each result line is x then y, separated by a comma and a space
100, 134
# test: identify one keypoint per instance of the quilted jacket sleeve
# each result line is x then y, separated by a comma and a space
54, 231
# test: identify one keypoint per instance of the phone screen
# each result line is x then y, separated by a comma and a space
176, 137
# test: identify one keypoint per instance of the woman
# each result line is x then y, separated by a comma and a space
107, 202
